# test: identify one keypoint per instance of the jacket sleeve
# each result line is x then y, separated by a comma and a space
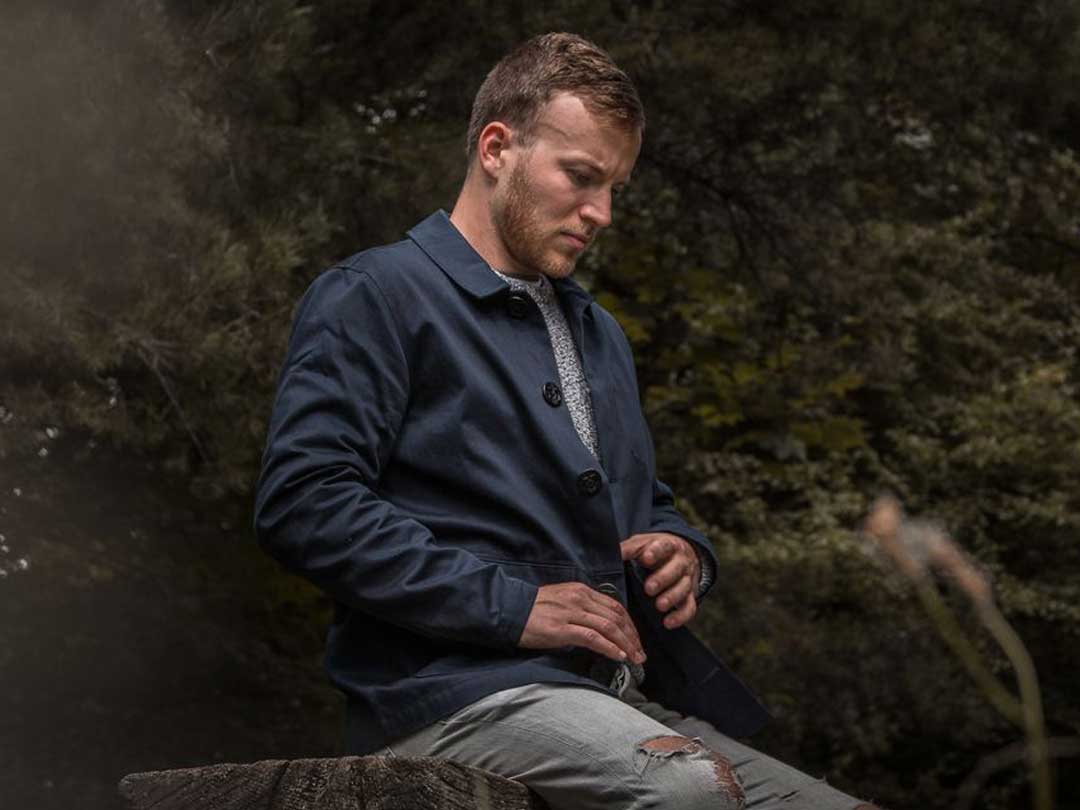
341, 398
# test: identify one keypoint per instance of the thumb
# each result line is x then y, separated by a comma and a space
632, 546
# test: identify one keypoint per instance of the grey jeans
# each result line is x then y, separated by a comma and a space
582, 749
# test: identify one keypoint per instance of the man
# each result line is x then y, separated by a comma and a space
457, 455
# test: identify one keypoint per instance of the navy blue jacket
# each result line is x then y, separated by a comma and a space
416, 472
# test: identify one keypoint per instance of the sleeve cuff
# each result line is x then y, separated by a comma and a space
515, 616
708, 571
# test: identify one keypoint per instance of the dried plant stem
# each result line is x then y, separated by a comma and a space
1005, 758
953, 635
917, 548
1031, 701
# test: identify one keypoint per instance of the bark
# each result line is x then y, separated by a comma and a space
348, 783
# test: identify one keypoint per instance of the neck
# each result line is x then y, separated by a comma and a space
521, 276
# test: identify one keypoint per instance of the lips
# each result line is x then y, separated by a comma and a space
578, 241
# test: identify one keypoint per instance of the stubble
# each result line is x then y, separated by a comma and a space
517, 220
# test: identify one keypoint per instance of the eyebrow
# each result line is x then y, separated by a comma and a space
594, 166
584, 161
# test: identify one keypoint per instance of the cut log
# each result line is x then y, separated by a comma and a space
348, 783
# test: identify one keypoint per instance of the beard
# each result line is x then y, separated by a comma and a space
517, 219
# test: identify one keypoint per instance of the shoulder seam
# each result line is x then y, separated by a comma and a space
364, 274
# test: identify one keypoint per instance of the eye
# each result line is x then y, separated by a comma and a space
578, 178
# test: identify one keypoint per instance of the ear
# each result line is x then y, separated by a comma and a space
491, 147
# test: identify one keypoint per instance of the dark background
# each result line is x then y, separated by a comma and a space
848, 263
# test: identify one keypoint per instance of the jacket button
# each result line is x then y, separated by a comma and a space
608, 589
589, 483
552, 394
517, 304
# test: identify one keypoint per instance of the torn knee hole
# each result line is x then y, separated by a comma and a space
671, 745
726, 778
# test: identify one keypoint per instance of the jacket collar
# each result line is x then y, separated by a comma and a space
444, 245
572, 293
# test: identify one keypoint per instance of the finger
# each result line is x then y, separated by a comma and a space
592, 639
596, 610
610, 631
667, 575
656, 552
675, 595
681, 615
578, 604
608, 617
612, 610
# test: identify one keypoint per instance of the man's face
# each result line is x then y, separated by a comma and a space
556, 193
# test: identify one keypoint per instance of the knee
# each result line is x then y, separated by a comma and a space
681, 772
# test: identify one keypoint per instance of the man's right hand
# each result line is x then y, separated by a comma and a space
571, 614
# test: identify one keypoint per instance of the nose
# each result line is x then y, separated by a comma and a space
597, 209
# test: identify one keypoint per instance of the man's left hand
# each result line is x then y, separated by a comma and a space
676, 573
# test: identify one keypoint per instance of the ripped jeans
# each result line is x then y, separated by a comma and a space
581, 749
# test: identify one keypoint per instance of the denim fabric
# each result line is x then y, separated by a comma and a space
580, 749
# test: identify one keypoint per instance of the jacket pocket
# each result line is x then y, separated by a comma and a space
538, 573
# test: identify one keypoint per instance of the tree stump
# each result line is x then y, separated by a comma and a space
347, 783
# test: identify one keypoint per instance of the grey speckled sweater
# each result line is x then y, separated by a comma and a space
575, 388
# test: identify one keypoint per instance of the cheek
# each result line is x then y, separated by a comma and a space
557, 197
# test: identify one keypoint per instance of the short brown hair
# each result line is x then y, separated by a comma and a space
525, 79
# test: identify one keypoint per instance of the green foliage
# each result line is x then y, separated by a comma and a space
847, 262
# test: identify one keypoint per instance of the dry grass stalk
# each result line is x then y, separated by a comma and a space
917, 549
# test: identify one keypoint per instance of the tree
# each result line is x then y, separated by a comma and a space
847, 263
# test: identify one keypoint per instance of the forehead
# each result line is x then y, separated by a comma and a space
566, 126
